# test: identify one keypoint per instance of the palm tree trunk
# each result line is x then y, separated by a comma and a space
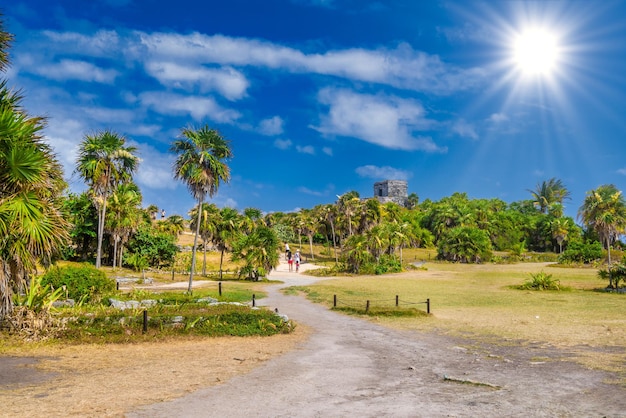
204, 259
193, 250
221, 262
311, 246
114, 252
6, 293
608, 248
332, 226
101, 215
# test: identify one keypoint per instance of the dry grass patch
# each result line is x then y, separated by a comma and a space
108, 380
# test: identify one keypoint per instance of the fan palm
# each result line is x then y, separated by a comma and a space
200, 165
547, 193
105, 163
32, 227
604, 210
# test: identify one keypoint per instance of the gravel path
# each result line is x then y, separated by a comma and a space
353, 368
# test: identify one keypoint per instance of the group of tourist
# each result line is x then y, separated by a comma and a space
292, 259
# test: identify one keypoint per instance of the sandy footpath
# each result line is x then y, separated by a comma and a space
353, 368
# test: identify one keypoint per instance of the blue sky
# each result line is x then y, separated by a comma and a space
322, 97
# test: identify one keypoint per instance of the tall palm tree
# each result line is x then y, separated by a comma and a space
200, 165
548, 193
32, 227
604, 210
123, 218
104, 162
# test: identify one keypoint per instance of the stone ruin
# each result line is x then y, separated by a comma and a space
392, 191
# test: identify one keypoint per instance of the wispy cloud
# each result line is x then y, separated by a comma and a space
196, 106
464, 129
327, 190
229, 82
386, 172
383, 120
272, 126
67, 69
622, 171
282, 144
306, 149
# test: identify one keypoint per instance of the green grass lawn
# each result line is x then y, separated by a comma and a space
481, 300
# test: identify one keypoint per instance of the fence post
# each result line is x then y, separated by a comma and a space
397, 301
145, 321
428, 305
173, 274
253, 300
219, 287
367, 306
334, 301
117, 285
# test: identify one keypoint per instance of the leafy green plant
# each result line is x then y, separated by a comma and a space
541, 281
80, 282
582, 252
615, 274
39, 296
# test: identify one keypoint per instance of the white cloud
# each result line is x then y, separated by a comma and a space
307, 149
382, 120
464, 129
327, 151
197, 107
386, 172
400, 67
622, 171
272, 126
282, 144
229, 82
498, 117
101, 44
155, 168
75, 70
327, 190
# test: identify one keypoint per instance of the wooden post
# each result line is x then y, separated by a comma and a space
367, 306
253, 300
117, 285
145, 321
428, 305
219, 288
172, 274
397, 301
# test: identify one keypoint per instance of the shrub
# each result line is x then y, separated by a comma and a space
465, 244
541, 281
82, 282
388, 264
581, 252
615, 274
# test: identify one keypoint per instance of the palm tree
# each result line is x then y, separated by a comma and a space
32, 228
209, 221
105, 163
124, 217
548, 193
200, 165
226, 232
604, 210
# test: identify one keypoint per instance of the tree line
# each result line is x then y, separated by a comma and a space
41, 221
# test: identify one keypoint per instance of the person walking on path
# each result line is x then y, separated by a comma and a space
287, 250
289, 260
297, 260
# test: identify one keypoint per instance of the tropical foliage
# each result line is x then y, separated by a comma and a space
200, 165
32, 225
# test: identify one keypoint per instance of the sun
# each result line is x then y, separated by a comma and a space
536, 52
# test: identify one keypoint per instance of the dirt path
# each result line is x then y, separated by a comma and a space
353, 368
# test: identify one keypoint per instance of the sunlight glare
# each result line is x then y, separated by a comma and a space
536, 52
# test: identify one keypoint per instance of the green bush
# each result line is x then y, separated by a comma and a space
82, 282
582, 252
388, 264
541, 281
